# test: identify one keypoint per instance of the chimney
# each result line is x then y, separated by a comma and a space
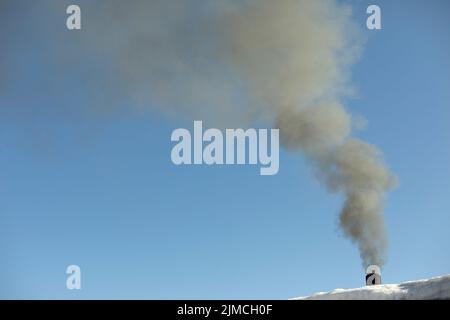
373, 275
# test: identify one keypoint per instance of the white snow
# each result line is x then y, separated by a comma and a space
429, 289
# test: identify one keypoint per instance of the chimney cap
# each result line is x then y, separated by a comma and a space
373, 269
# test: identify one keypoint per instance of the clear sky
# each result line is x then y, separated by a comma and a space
98, 189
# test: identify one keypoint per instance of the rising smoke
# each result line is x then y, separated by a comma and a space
239, 62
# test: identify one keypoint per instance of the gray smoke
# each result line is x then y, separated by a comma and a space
239, 62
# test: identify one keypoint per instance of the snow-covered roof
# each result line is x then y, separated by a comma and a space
433, 288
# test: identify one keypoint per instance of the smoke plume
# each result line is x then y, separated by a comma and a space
239, 62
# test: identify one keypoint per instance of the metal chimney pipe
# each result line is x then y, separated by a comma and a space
373, 275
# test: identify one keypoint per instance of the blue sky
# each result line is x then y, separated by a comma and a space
99, 189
